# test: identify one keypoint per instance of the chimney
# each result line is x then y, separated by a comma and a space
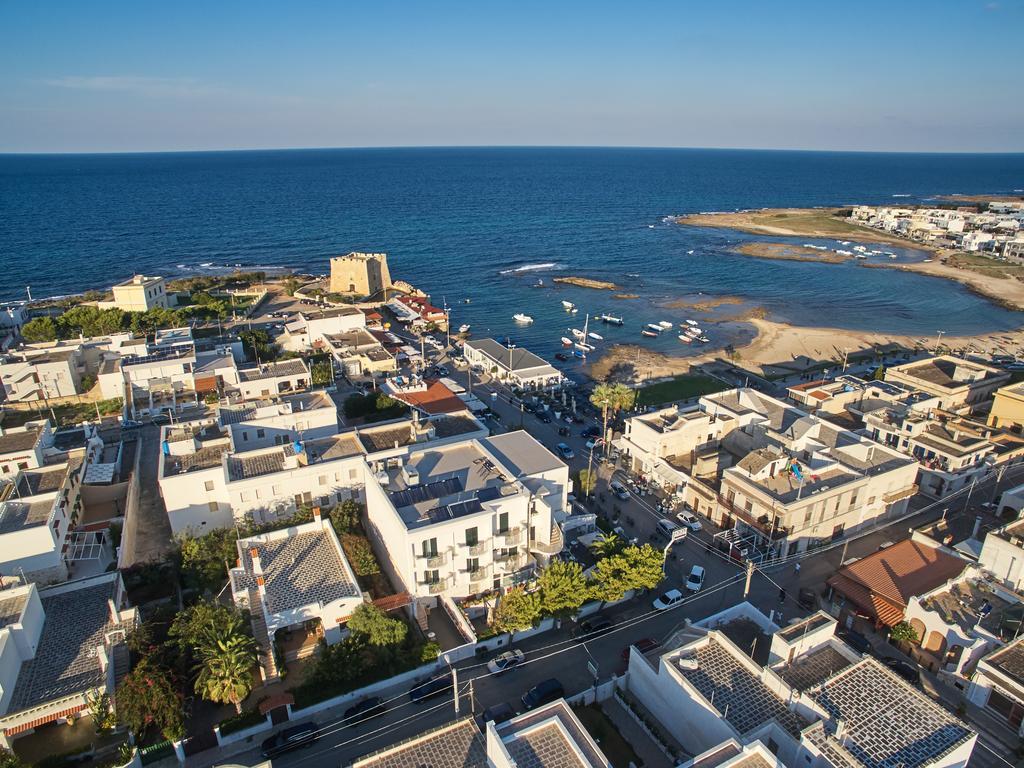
316, 514
257, 566
977, 527
112, 610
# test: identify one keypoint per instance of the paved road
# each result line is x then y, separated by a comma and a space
153, 537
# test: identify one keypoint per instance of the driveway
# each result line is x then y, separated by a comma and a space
153, 539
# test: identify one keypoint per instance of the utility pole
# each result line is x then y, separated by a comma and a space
750, 575
999, 479
455, 687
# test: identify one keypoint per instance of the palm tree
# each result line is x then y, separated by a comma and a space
611, 398
225, 669
608, 544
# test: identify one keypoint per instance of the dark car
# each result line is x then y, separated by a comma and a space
161, 418
364, 710
435, 686
297, 737
543, 693
644, 645
563, 431
499, 713
807, 598
908, 672
544, 416
588, 629
591, 432
855, 640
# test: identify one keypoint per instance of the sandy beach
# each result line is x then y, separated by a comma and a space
793, 222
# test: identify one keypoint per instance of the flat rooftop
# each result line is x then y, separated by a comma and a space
36, 481
273, 370
242, 466
453, 481
964, 603
887, 722
948, 373
516, 359
205, 458
1009, 660
301, 570
16, 515
809, 670
521, 453
19, 441
11, 608
549, 737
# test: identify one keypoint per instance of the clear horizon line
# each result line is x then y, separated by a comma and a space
5, 153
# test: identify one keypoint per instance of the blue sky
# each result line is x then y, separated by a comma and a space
112, 76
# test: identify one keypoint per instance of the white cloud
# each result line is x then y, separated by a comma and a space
143, 86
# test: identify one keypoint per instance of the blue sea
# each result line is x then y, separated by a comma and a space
486, 224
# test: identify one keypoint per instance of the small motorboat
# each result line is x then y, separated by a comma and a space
585, 347
691, 322
574, 310
519, 317
567, 305
654, 328
693, 332
466, 301
561, 356
611, 319
539, 283
649, 332
703, 339
684, 338
576, 332
464, 328
566, 342
689, 253
579, 353
665, 324
596, 336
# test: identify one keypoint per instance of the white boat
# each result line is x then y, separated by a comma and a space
519, 317
574, 310
684, 338
703, 339
539, 283
860, 248
689, 253
691, 322
649, 332
576, 332
693, 332
650, 226
596, 336
464, 328
859, 256
664, 324
654, 327
892, 255
584, 347
566, 342
611, 319
568, 305
841, 252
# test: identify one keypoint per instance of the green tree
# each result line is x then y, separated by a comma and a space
611, 398
378, 628
322, 373
903, 632
8, 759
39, 329
103, 717
256, 344
586, 481
430, 653
608, 581
562, 588
191, 627
384, 402
608, 544
205, 559
338, 664
345, 516
643, 566
227, 657
360, 554
148, 697
879, 373
290, 285
517, 609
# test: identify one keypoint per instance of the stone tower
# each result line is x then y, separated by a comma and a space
362, 274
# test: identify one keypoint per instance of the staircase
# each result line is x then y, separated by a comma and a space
259, 633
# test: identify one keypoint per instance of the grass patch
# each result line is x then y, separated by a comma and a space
67, 414
607, 736
984, 265
680, 388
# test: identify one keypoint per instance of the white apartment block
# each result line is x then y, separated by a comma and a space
138, 294
309, 329
60, 646
42, 374
464, 518
958, 384
818, 704
265, 380
208, 480
265, 423
24, 447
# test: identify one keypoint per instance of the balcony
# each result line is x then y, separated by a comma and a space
509, 562
479, 548
478, 575
508, 538
433, 560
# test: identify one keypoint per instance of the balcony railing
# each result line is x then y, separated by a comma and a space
479, 548
509, 538
479, 574
437, 587
509, 561
433, 559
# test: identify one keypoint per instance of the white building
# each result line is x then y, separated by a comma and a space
467, 517
817, 705
138, 294
265, 380
40, 374
998, 685
60, 646
292, 576
514, 365
24, 447
308, 330
260, 424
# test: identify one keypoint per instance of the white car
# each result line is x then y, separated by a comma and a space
689, 519
506, 661
670, 599
696, 579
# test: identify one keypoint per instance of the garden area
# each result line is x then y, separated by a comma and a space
374, 406
683, 387
66, 414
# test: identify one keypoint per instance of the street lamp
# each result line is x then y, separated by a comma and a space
938, 342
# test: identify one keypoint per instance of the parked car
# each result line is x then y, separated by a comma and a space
296, 737
161, 418
543, 693
442, 371
591, 444
129, 424
588, 629
669, 599
499, 713
619, 490
696, 579
908, 672
505, 662
563, 431
666, 529
855, 640
690, 520
591, 432
435, 686
544, 416
364, 710
644, 645
565, 451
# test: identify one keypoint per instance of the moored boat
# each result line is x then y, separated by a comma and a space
568, 305
519, 317
691, 322
684, 338
561, 356
596, 336
611, 319
653, 327
566, 342
665, 324
649, 332
464, 328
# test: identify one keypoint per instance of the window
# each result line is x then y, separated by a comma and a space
473, 564
431, 577
209, 485
325, 501
503, 522
353, 473
22, 465
214, 506
429, 547
243, 496
245, 436
261, 433
472, 538
321, 479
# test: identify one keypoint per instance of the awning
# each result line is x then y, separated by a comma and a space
903, 493
14, 730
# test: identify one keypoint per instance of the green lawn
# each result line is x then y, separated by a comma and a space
603, 731
680, 388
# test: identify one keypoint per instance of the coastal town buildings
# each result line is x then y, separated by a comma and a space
965, 228
24, 447
262, 423
957, 383
513, 365
1008, 408
42, 374
361, 274
59, 647
138, 293
467, 517
308, 330
816, 702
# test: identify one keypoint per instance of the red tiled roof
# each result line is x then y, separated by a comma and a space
809, 385
882, 583
435, 400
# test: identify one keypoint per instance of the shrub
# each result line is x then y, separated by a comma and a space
360, 554
247, 719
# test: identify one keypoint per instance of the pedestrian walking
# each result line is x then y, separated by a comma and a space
796, 569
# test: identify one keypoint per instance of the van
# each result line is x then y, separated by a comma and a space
668, 530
